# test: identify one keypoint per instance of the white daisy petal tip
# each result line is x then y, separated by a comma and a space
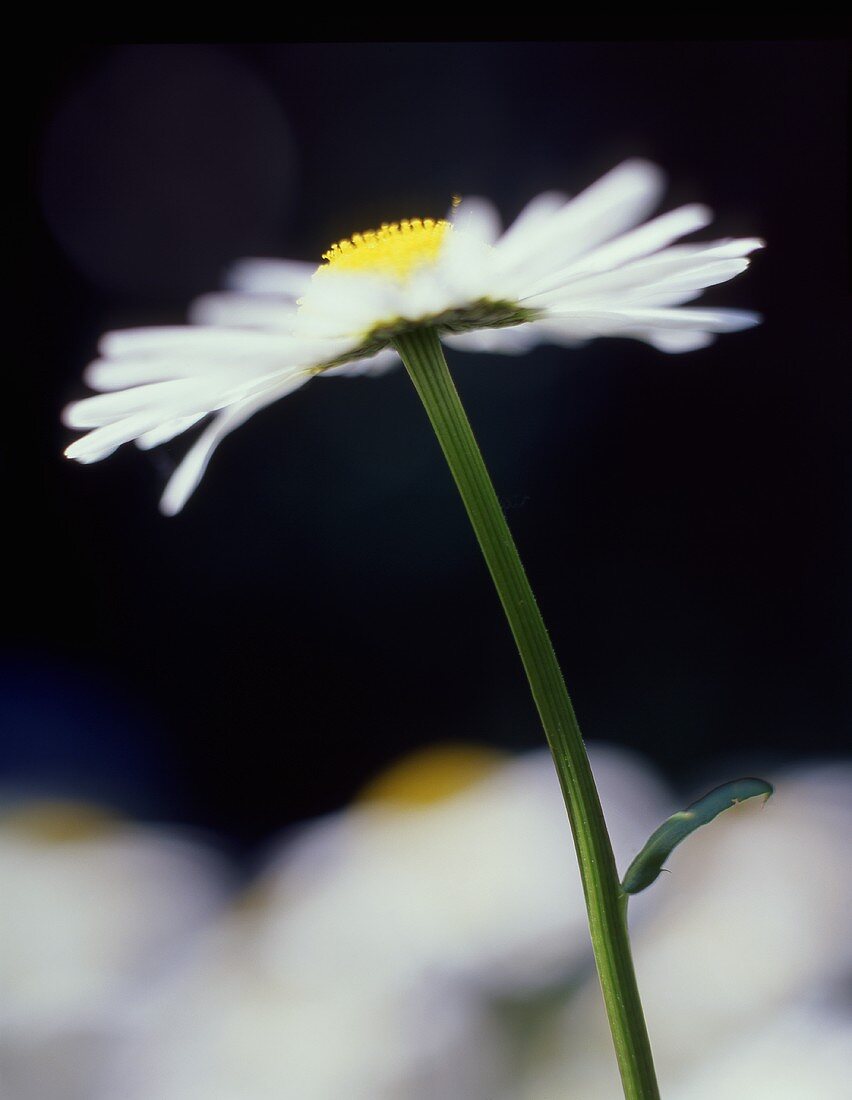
639, 172
264, 275
118, 341
478, 216
77, 448
68, 417
172, 503
702, 213
737, 320
91, 375
739, 246
678, 343
184, 481
83, 452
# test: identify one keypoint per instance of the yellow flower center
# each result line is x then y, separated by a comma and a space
58, 822
431, 775
396, 249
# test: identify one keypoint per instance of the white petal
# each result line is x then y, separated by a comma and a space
466, 271
557, 332
267, 276
103, 441
110, 374
513, 340
673, 341
631, 246
728, 247
213, 344
189, 473
585, 324
721, 271
266, 311
537, 212
711, 320
166, 431
371, 367
639, 281
121, 374
478, 217
664, 339
345, 303
613, 204
106, 408
626, 192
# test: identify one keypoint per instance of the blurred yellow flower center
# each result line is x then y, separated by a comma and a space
432, 775
59, 822
396, 249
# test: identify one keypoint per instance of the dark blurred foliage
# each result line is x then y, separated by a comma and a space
320, 607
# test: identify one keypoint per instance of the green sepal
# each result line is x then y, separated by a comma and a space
647, 866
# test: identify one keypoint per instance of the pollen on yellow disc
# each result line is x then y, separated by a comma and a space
396, 248
432, 775
58, 822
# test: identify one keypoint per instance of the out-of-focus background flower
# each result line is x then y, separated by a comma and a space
218, 881
427, 941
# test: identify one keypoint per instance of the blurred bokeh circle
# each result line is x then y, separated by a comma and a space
164, 164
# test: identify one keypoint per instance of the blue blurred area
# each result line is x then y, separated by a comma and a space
71, 733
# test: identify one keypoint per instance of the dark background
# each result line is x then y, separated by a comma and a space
320, 606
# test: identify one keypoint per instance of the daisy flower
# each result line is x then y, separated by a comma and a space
466, 882
565, 271
97, 912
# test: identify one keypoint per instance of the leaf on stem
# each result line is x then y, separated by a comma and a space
647, 866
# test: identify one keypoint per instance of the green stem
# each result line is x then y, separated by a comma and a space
423, 357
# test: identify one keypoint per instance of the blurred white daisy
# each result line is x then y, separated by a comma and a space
96, 914
564, 272
449, 874
804, 1052
466, 880
227, 1030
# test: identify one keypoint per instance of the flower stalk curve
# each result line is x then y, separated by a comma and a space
421, 352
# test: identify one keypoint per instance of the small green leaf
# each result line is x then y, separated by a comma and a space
647, 866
